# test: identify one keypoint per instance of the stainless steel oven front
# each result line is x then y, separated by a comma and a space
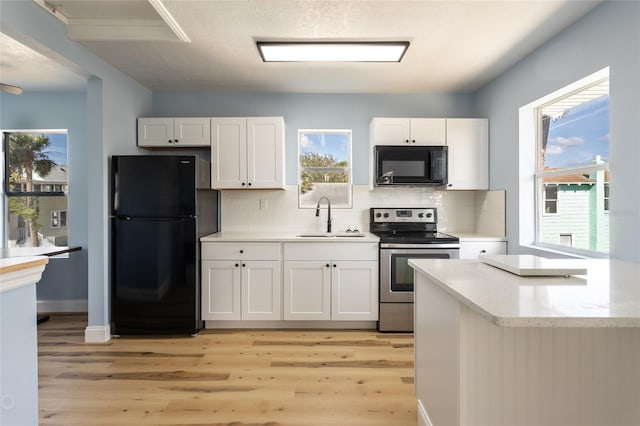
396, 281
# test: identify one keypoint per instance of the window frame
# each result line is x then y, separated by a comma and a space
4, 185
545, 200
530, 197
348, 170
59, 218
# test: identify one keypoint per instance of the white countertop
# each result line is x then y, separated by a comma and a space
607, 296
20, 271
286, 236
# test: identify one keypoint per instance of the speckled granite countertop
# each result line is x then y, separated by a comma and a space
607, 296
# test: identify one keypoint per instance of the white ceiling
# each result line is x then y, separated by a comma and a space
33, 71
456, 46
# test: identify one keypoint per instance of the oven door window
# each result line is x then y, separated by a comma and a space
402, 273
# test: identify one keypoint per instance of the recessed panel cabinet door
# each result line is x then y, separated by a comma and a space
265, 152
221, 287
428, 131
354, 291
468, 142
192, 132
228, 152
307, 290
155, 132
390, 131
261, 290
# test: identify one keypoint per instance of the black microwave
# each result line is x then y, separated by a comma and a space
410, 165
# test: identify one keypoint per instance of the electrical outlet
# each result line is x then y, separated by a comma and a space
263, 204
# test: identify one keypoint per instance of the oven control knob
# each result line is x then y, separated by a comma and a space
386, 215
429, 214
378, 214
420, 214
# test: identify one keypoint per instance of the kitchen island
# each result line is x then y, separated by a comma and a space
18, 339
494, 348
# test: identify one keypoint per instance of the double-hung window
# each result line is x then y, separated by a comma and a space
324, 167
572, 168
36, 187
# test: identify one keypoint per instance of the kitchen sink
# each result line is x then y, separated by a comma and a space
326, 235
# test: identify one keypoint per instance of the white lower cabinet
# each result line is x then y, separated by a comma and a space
342, 288
249, 281
307, 290
241, 288
473, 249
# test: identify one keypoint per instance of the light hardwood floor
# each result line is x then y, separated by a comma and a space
225, 377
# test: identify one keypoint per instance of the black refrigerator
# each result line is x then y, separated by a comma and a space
160, 207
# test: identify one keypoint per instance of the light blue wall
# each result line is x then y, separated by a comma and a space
315, 111
64, 279
114, 101
608, 36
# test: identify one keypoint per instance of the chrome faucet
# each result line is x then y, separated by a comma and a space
328, 212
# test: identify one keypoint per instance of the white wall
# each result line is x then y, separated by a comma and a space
607, 36
457, 210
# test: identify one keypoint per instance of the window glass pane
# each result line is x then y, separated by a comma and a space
36, 162
573, 172
37, 221
325, 167
578, 136
579, 211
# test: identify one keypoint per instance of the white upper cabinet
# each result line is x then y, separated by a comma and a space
468, 143
169, 132
408, 131
247, 153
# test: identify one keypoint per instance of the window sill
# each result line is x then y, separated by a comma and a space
572, 253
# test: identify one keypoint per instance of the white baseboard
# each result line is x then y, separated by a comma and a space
341, 325
47, 306
423, 418
97, 334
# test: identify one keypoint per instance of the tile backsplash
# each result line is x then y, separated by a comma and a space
277, 210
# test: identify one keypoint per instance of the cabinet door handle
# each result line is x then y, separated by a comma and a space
242, 183
249, 184
328, 265
483, 251
334, 265
175, 140
413, 141
406, 140
237, 265
241, 251
243, 265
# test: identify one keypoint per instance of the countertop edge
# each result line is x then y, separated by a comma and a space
20, 272
531, 321
285, 237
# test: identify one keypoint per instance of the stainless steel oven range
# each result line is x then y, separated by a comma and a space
405, 233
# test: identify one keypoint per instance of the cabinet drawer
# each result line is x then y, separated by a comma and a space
331, 251
473, 249
241, 250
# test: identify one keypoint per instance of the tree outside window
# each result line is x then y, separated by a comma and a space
35, 185
324, 167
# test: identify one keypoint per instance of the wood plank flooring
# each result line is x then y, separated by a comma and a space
225, 378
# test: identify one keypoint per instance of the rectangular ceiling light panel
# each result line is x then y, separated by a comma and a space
332, 51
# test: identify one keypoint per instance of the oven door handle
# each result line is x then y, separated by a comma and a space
419, 246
